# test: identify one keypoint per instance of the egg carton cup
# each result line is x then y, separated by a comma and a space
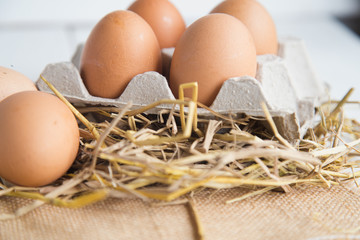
286, 83
6, 183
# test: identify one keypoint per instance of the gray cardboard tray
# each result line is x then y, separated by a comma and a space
286, 83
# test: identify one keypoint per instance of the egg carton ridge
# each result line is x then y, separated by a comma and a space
286, 84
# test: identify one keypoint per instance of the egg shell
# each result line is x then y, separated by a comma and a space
257, 19
163, 17
13, 82
213, 49
39, 138
120, 46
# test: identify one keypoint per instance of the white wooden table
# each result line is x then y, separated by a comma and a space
35, 33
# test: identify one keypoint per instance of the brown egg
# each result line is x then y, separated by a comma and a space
257, 20
214, 48
121, 46
39, 138
163, 17
12, 82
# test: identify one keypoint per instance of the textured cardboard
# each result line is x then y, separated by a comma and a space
286, 83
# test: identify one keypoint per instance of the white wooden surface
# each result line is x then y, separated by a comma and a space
37, 32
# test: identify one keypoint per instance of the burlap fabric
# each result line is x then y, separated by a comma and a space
307, 213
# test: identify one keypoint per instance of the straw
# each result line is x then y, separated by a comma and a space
173, 154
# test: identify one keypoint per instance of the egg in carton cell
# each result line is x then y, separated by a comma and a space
286, 83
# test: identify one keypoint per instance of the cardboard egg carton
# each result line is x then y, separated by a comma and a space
286, 83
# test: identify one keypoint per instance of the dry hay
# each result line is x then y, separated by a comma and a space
172, 155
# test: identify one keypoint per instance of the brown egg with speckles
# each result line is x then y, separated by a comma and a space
163, 17
39, 138
13, 82
257, 19
213, 49
121, 46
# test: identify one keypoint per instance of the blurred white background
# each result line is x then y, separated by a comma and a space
37, 32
